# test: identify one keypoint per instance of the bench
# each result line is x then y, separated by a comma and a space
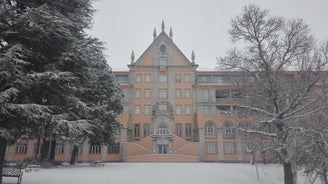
31, 168
11, 171
97, 164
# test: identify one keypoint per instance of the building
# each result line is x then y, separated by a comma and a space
172, 113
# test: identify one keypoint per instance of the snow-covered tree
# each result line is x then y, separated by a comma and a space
43, 84
281, 66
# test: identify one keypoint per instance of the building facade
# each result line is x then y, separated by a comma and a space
172, 113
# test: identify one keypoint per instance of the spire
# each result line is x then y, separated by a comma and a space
154, 33
193, 57
132, 57
163, 25
171, 33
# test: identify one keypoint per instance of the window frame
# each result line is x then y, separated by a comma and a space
137, 94
138, 78
147, 78
162, 78
137, 109
178, 109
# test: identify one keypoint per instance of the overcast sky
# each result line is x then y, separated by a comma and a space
199, 25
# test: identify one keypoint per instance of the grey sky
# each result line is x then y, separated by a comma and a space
199, 25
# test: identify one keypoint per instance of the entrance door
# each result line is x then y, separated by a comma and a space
162, 149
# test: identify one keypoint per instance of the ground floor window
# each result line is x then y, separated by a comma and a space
178, 129
21, 149
188, 130
146, 129
211, 148
59, 149
136, 131
95, 149
229, 148
114, 148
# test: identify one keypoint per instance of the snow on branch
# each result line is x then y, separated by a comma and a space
273, 135
7, 94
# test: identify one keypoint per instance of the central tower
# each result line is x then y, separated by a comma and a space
161, 81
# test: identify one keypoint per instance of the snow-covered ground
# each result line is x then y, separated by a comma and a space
159, 173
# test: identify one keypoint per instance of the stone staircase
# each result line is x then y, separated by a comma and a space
182, 151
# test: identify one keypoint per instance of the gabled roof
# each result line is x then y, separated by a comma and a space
161, 36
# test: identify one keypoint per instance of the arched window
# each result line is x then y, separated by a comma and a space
210, 130
228, 130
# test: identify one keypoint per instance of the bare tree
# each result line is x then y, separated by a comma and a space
281, 66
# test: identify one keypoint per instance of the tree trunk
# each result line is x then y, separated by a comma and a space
52, 151
37, 148
74, 154
324, 176
288, 173
44, 150
3, 145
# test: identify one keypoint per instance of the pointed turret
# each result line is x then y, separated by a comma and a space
132, 57
163, 25
154, 33
193, 57
171, 33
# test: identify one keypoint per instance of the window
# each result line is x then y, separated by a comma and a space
178, 109
178, 93
187, 78
21, 149
203, 79
147, 78
211, 148
228, 130
162, 78
147, 93
59, 149
162, 107
137, 109
162, 61
162, 129
187, 109
162, 48
162, 93
229, 148
210, 130
121, 79
114, 148
138, 93
146, 109
136, 131
187, 93
178, 129
146, 129
188, 130
224, 110
177, 78
205, 95
138, 78
95, 149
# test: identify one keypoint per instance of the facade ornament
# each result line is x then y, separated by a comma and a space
171, 33
163, 25
132, 57
154, 33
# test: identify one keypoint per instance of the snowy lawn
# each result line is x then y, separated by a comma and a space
159, 173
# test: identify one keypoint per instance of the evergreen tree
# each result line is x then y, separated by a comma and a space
46, 84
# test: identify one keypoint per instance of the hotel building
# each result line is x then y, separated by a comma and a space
172, 113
